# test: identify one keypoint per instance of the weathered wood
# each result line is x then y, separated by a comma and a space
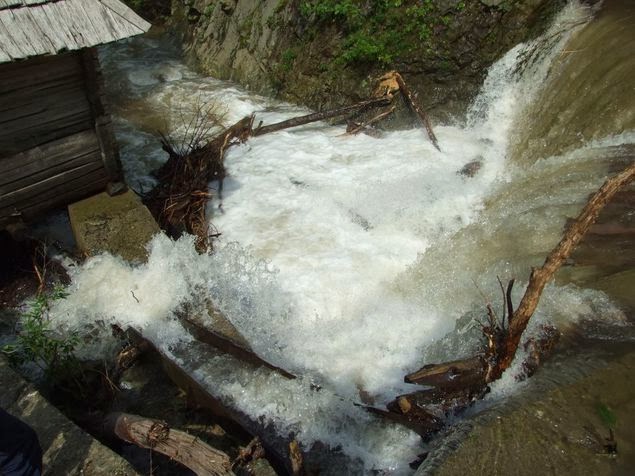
156, 435
224, 344
418, 419
357, 128
103, 125
320, 116
456, 374
42, 111
506, 350
179, 367
416, 108
34, 192
67, 192
72, 191
46, 157
50, 26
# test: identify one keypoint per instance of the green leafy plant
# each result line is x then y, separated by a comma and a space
381, 31
607, 416
36, 342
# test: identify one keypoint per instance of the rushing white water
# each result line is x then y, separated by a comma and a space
342, 258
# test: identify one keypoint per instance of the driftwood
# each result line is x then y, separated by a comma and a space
179, 201
356, 128
455, 385
416, 108
391, 83
320, 116
156, 435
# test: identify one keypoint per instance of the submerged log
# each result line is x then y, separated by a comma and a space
156, 435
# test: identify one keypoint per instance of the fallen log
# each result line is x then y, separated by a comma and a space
458, 383
320, 116
156, 435
503, 354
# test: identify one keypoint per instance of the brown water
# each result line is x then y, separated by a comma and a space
554, 425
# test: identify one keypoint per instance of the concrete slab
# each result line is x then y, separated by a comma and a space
120, 224
67, 449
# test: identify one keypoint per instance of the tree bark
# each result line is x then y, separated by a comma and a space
540, 276
156, 435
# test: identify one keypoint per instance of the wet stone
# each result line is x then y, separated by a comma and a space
119, 224
67, 449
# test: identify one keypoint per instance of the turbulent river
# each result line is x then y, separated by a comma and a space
347, 259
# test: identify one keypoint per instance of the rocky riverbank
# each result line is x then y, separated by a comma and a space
328, 53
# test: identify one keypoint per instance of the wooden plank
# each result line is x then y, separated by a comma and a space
48, 188
45, 110
70, 162
43, 91
57, 23
31, 32
103, 124
39, 16
127, 14
76, 190
102, 30
75, 142
43, 127
14, 49
46, 159
38, 28
22, 74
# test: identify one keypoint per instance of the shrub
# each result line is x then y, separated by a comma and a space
36, 342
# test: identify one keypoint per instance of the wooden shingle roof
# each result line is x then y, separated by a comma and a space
43, 27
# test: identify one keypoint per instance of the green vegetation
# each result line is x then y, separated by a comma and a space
39, 344
380, 31
607, 416
287, 59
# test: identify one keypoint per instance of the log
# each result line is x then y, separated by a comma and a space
415, 107
320, 116
357, 128
540, 276
458, 383
450, 375
156, 435
226, 345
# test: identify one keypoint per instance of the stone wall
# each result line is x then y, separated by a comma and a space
329, 52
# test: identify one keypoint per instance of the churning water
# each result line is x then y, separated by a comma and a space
346, 259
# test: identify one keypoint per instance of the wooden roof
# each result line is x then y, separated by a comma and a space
44, 27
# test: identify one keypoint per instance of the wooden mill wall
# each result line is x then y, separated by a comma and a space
56, 139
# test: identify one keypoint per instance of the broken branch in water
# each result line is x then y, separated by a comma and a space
320, 116
461, 382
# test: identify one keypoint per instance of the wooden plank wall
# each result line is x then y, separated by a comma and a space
41, 100
56, 140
